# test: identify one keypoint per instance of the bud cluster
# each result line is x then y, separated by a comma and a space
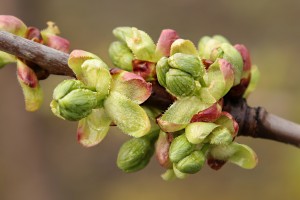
194, 129
26, 71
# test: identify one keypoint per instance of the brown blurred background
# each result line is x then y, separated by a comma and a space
39, 155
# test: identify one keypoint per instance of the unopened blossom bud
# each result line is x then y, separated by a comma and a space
162, 67
121, 55
188, 63
30, 85
220, 136
192, 163
75, 104
134, 154
180, 83
180, 148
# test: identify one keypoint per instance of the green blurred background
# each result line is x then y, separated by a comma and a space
39, 155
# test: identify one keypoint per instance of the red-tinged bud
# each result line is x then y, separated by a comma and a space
26, 75
215, 164
162, 147
227, 120
144, 69
166, 38
210, 114
246, 59
34, 34
58, 43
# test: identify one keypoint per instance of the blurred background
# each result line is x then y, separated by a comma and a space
39, 154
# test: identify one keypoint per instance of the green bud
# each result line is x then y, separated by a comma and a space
162, 67
192, 163
180, 83
74, 105
183, 46
121, 55
134, 154
220, 135
32, 91
180, 113
66, 87
180, 148
197, 132
127, 115
229, 53
95, 74
138, 42
92, 129
187, 63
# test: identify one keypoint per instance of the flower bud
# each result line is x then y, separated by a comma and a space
139, 42
180, 148
127, 115
183, 46
13, 25
66, 86
74, 104
220, 136
121, 55
93, 128
192, 163
197, 132
246, 59
188, 63
30, 85
134, 154
168, 175
178, 173
162, 67
230, 54
162, 147
166, 38
180, 83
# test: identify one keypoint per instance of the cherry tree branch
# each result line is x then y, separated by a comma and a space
253, 122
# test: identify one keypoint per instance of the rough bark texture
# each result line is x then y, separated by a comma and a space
253, 122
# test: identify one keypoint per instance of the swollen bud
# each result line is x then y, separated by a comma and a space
180, 148
32, 91
197, 132
134, 154
166, 38
180, 83
73, 103
162, 67
183, 46
13, 25
207, 44
192, 163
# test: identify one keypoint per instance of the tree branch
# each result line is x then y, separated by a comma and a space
253, 122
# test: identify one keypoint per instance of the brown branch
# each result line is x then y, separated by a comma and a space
254, 122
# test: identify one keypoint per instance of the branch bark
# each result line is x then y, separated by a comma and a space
253, 122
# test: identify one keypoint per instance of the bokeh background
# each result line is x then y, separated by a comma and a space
39, 155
